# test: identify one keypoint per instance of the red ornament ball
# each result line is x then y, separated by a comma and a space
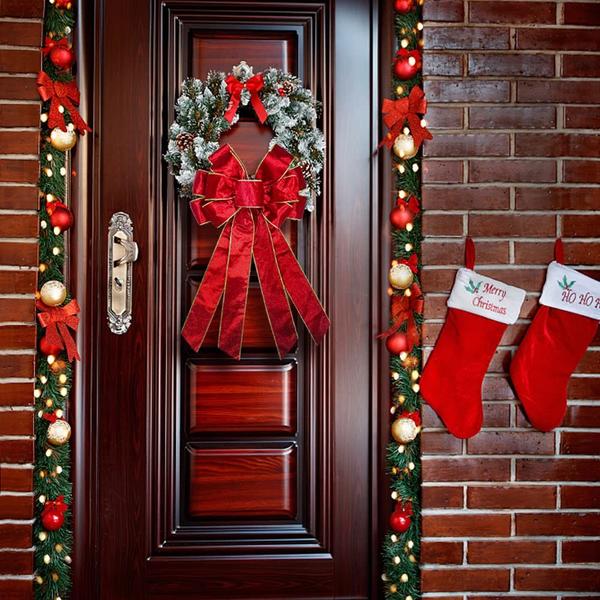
400, 520
48, 348
407, 64
397, 343
61, 217
404, 6
63, 4
62, 58
53, 519
400, 216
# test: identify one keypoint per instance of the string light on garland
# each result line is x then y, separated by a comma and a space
403, 115
60, 125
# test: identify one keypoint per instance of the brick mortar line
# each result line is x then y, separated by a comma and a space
498, 538
506, 130
9, 129
19, 156
508, 25
509, 484
445, 512
18, 48
8, 19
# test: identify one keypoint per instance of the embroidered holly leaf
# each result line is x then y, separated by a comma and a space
472, 288
565, 284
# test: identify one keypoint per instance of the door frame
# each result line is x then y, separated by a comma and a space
86, 281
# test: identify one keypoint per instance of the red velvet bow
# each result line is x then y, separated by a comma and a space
51, 417
63, 94
253, 85
56, 506
251, 211
51, 43
396, 112
412, 262
414, 415
413, 205
404, 309
57, 320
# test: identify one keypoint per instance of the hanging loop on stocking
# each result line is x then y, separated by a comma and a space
559, 251
469, 253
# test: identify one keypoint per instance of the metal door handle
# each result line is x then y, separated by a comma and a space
131, 251
122, 253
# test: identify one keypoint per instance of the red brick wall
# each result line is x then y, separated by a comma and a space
514, 92
20, 37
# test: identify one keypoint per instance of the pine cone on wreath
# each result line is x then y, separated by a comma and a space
288, 87
184, 141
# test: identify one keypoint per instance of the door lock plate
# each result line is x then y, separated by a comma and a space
122, 253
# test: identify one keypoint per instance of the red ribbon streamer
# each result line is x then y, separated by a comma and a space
253, 85
58, 320
404, 309
250, 212
63, 94
397, 112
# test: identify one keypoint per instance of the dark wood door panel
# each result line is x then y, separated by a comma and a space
219, 50
243, 482
250, 398
239, 578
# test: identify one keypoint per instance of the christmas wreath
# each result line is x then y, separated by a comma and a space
207, 109
249, 209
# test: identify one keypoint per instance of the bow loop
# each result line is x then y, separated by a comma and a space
50, 44
397, 112
235, 87
57, 320
61, 93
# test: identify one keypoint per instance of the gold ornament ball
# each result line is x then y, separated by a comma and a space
400, 277
62, 140
404, 146
59, 432
53, 293
404, 430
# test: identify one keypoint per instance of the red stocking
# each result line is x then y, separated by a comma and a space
562, 329
479, 311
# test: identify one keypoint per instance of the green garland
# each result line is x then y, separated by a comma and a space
52, 469
401, 550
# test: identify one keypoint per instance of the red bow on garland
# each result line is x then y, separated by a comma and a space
404, 309
253, 85
55, 506
57, 320
51, 417
414, 415
396, 112
412, 262
63, 94
50, 44
413, 205
251, 211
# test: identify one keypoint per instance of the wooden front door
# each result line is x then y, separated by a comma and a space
199, 476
